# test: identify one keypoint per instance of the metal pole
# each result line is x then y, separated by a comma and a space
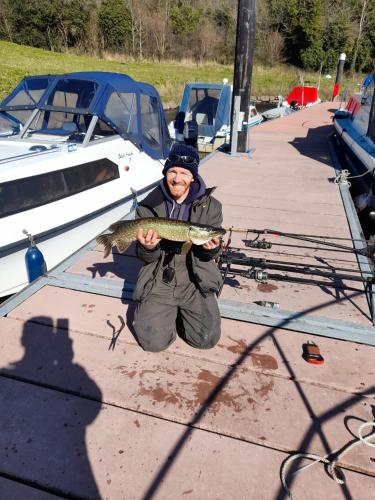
235, 125
243, 64
340, 71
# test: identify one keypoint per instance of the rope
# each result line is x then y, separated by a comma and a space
331, 464
344, 175
342, 178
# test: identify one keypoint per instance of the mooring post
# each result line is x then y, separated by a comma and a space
340, 71
243, 66
235, 125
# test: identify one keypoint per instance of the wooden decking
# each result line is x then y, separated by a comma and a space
85, 413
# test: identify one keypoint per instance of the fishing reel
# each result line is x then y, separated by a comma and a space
260, 276
256, 274
256, 242
259, 244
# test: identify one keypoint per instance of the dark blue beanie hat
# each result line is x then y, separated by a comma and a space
185, 156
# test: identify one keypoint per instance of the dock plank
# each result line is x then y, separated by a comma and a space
348, 366
126, 455
233, 401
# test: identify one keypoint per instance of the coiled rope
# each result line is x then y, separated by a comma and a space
331, 464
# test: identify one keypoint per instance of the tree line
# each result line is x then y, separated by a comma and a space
306, 33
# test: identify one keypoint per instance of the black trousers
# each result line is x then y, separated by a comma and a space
169, 310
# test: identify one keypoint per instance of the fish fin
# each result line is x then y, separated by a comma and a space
186, 247
122, 245
106, 240
117, 225
197, 241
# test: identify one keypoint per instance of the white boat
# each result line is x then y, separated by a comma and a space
282, 109
204, 116
301, 96
91, 142
355, 131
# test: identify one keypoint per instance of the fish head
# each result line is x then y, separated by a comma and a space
200, 234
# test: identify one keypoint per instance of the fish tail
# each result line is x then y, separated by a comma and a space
106, 240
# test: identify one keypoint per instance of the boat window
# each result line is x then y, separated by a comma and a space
31, 192
204, 102
150, 121
72, 93
30, 91
121, 109
60, 123
7, 126
101, 130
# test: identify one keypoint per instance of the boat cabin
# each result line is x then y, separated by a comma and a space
207, 104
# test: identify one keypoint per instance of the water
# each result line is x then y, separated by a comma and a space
170, 114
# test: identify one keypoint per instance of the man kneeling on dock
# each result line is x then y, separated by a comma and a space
176, 292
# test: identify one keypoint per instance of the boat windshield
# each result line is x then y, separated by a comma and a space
72, 93
25, 97
72, 126
8, 126
203, 105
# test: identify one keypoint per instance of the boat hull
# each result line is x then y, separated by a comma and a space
359, 154
59, 243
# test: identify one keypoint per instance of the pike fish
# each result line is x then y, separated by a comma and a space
125, 232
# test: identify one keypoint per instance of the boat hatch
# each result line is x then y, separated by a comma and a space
31, 192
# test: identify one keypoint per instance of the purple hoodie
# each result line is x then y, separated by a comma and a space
181, 211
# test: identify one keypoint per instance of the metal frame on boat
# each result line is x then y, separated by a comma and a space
91, 141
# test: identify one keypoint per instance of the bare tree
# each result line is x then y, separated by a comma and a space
5, 19
359, 36
158, 23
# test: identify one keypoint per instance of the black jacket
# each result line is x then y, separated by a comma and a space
204, 271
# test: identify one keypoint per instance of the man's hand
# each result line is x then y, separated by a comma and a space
149, 240
210, 245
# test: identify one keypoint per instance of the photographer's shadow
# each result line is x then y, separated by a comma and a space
44, 417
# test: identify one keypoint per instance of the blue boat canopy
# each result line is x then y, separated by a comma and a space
367, 81
130, 108
17, 107
207, 103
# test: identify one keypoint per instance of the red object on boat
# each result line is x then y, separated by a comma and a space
354, 105
303, 95
335, 90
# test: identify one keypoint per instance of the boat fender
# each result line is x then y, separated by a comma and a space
34, 260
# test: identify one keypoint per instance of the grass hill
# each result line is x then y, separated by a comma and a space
169, 77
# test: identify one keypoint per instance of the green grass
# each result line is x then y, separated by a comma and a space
169, 77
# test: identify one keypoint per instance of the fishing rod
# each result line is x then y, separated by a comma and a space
298, 264
263, 277
253, 262
317, 239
